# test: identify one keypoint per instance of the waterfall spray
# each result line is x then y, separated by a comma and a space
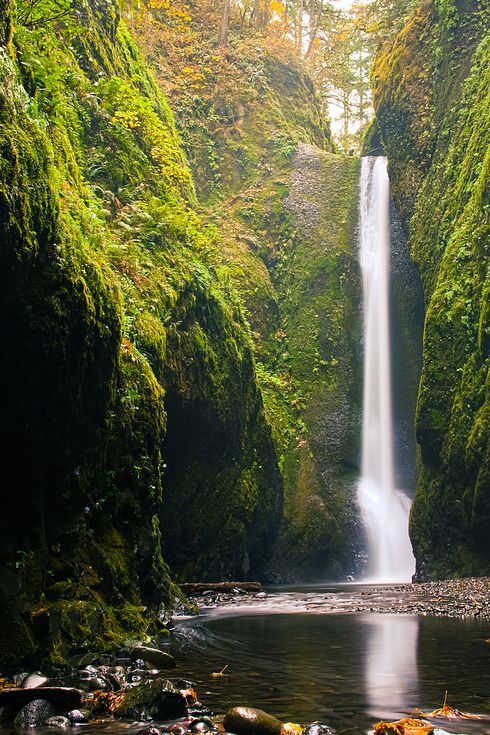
384, 509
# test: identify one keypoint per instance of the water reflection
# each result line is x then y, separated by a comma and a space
391, 673
347, 670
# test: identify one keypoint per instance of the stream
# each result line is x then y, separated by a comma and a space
347, 670
308, 654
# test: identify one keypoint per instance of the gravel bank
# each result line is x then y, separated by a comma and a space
454, 598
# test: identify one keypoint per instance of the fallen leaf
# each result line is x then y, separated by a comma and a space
105, 701
405, 726
292, 727
450, 713
219, 674
190, 695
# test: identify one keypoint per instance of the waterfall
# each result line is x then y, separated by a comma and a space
384, 509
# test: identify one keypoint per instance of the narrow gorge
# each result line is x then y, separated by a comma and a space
202, 382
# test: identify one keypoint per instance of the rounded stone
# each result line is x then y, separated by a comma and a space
200, 727
77, 717
251, 721
34, 713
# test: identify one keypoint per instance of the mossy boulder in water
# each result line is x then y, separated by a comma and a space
157, 699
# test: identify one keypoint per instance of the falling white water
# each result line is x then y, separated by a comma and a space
384, 509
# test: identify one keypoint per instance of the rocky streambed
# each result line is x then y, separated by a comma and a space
451, 598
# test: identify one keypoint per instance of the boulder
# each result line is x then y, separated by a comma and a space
153, 699
251, 721
34, 713
154, 656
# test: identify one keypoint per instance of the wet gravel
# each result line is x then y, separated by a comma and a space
460, 598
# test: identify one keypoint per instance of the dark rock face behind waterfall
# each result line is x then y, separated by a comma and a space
431, 97
406, 324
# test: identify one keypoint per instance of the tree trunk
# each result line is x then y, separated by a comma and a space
225, 24
345, 120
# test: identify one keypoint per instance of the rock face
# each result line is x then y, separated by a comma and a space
435, 126
287, 211
124, 347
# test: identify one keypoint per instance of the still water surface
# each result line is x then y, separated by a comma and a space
346, 670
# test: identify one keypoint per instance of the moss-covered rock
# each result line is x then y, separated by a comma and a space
113, 303
431, 94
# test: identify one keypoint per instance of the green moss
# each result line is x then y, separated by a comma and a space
114, 296
449, 229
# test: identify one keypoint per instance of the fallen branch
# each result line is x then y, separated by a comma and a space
197, 588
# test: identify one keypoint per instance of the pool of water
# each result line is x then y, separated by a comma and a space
346, 670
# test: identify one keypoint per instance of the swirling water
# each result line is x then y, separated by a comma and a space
346, 670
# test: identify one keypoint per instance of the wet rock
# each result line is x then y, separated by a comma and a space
251, 721
112, 681
198, 710
149, 730
200, 727
154, 699
316, 728
99, 683
34, 713
78, 717
154, 656
58, 721
178, 729
81, 661
194, 724
19, 678
32, 681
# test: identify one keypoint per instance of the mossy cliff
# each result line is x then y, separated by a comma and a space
286, 207
126, 360
431, 92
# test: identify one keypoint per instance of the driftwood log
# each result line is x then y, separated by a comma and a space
62, 697
197, 588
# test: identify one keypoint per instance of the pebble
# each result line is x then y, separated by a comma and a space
77, 717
